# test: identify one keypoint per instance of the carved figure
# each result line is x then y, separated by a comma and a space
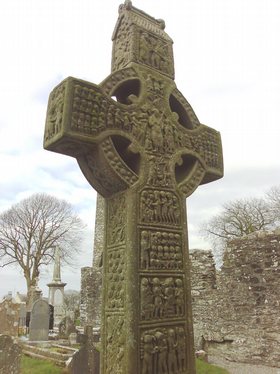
158, 298
161, 349
145, 250
172, 357
148, 354
181, 349
147, 305
179, 297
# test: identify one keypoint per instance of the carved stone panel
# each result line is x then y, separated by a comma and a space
115, 345
160, 207
160, 250
55, 112
163, 350
116, 221
115, 278
162, 297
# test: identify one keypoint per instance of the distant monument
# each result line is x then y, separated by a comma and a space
56, 290
39, 322
140, 145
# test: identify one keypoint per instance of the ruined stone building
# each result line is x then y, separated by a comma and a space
236, 310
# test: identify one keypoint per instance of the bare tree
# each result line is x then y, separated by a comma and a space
72, 302
273, 198
31, 229
239, 218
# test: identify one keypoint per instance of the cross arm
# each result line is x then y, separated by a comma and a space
79, 124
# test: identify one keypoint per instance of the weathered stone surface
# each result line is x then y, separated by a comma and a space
144, 153
66, 327
56, 291
91, 277
236, 310
10, 354
9, 317
39, 322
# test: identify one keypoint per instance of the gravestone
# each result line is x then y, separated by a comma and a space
140, 145
39, 321
10, 355
9, 317
66, 327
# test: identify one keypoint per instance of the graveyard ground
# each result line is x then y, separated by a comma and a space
34, 366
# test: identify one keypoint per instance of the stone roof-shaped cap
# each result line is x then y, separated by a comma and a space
140, 38
137, 16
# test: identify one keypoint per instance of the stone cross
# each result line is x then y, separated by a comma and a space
140, 145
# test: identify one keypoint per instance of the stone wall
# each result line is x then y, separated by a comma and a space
237, 309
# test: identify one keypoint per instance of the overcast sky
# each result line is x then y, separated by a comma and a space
226, 64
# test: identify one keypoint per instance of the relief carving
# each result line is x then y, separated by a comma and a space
160, 250
163, 351
115, 341
115, 279
89, 110
193, 181
159, 172
155, 52
93, 168
55, 112
162, 297
116, 221
206, 144
117, 164
158, 206
122, 46
115, 78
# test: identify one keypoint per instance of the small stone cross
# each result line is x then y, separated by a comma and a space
140, 145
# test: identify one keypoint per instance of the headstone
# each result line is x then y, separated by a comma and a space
39, 322
66, 327
51, 312
140, 145
10, 355
73, 338
9, 317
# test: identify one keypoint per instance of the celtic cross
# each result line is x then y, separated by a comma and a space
140, 145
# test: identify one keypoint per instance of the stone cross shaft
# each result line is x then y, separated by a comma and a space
140, 145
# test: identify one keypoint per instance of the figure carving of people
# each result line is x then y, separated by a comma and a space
169, 293
181, 350
161, 352
148, 354
156, 134
179, 297
145, 250
147, 296
158, 298
172, 346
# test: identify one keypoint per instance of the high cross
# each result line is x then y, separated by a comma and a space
140, 145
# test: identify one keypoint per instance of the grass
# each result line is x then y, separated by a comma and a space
34, 366
204, 368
